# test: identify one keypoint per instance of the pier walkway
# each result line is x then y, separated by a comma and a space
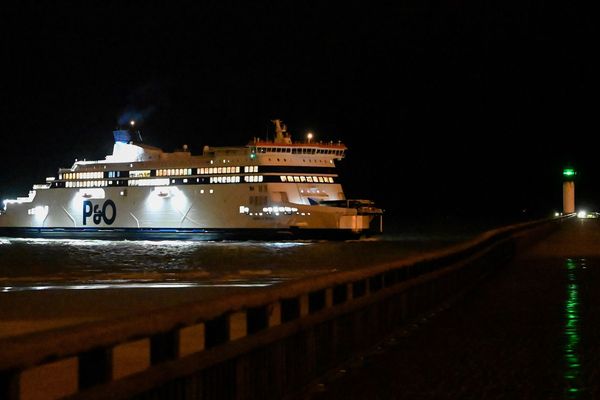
531, 331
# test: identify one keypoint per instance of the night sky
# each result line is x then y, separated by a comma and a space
447, 108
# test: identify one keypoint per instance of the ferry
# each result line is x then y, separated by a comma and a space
268, 189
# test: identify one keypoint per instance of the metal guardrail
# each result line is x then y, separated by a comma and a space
216, 349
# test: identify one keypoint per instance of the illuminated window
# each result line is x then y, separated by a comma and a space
140, 174
283, 178
296, 179
302, 179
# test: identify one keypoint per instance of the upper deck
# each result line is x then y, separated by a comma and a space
130, 155
132, 163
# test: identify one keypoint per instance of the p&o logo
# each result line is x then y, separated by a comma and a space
108, 212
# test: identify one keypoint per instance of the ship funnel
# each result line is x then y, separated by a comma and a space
127, 136
122, 136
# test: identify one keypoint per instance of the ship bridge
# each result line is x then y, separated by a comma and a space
283, 144
333, 150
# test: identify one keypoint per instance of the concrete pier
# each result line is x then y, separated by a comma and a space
277, 342
530, 331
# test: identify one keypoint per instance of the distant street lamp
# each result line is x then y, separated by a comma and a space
309, 136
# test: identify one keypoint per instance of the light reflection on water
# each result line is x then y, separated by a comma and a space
572, 350
69, 263
136, 285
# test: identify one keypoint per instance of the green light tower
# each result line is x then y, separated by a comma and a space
569, 190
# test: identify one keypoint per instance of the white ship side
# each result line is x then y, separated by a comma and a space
266, 189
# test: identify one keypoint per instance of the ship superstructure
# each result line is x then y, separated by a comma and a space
266, 189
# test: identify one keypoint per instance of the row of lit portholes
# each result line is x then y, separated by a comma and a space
309, 179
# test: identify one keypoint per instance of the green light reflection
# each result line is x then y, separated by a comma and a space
572, 318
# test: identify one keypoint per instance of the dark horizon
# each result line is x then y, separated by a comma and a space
455, 109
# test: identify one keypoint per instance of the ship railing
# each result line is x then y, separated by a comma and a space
369, 210
361, 205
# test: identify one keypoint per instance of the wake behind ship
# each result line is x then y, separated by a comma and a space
265, 190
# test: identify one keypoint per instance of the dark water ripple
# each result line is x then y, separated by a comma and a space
31, 263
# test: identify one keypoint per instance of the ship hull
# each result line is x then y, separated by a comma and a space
195, 212
181, 234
